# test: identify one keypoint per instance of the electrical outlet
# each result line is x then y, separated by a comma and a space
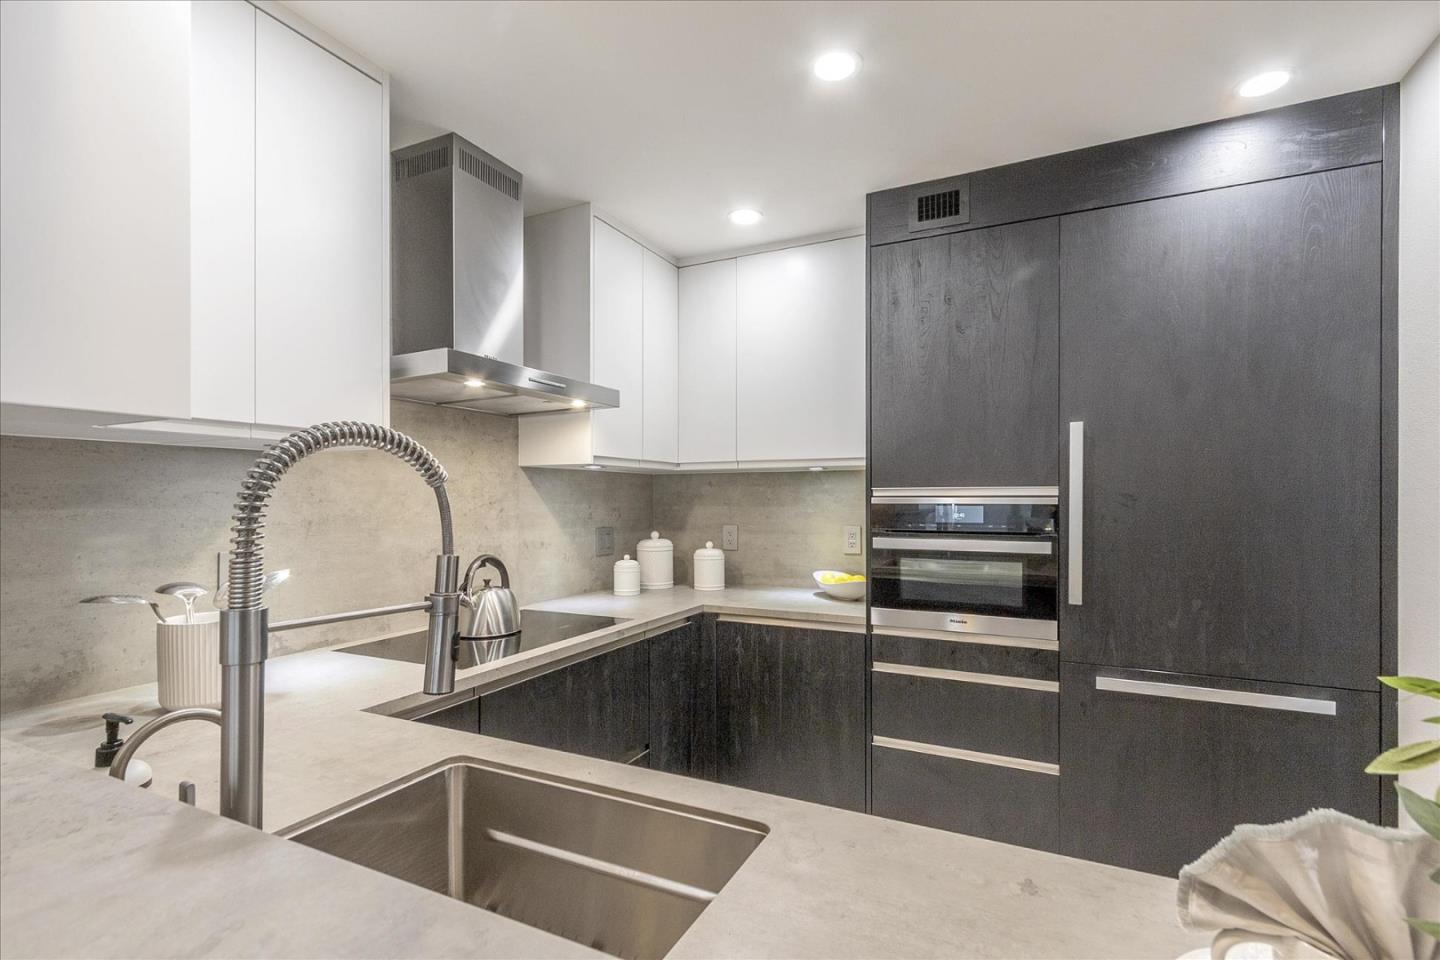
730, 537
604, 541
852, 540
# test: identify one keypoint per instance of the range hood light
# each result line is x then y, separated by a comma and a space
473, 382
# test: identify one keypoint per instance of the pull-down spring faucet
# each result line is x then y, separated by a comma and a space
244, 626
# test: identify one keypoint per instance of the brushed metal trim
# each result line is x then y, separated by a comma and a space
960, 622
965, 676
797, 624
983, 501
1236, 698
950, 494
973, 756
963, 545
1075, 518
919, 633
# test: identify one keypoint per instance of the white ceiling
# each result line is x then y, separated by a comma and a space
668, 115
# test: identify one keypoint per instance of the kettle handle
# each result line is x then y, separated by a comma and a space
480, 561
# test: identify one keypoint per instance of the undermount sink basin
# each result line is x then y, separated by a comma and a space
615, 871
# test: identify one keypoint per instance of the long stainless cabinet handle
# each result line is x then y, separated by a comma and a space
1237, 698
1075, 517
949, 545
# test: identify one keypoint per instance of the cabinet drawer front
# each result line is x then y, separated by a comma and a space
1008, 660
981, 799
1161, 766
979, 712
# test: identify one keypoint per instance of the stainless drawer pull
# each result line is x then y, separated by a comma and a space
973, 756
956, 545
1075, 517
965, 676
1237, 698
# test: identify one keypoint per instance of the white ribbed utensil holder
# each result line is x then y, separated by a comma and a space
187, 661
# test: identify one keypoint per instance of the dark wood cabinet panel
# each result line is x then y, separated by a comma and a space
1151, 782
598, 707
1007, 721
1302, 138
463, 716
983, 800
972, 657
790, 711
1223, 351
682, 700
964, 359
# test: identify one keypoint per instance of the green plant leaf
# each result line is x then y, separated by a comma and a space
1426, 813
1412, 756
1420, 685
1432, 719
1425, 926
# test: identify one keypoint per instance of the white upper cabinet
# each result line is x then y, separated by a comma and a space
659, 307
617, 341
194, 225
320, 160
707, 364
222, 211
800, 363
94, 214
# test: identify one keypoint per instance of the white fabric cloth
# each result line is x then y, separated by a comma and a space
1322, 885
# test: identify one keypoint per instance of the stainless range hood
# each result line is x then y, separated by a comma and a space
458, 324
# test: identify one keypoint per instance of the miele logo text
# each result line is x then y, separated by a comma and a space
959, 620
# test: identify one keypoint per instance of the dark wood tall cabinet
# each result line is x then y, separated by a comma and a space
964, 343
1224, 322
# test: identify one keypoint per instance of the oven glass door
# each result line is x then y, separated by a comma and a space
981, 576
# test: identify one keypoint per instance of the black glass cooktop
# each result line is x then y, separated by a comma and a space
538, 628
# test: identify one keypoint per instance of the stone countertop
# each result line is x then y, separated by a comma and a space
81, 854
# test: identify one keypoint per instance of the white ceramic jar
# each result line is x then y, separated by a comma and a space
627, 577
187, 661
657, 562
709, 568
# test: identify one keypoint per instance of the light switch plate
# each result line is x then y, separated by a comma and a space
604, 541
852, 540
730, 537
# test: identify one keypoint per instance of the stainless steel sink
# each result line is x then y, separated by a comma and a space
619, 872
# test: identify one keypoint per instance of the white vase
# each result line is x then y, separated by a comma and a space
187, 661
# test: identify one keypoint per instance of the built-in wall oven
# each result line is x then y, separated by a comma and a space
965, 559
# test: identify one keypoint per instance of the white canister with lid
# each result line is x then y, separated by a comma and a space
657, 562
709, 568
627, 577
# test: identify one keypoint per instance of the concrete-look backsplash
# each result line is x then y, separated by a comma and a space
357, 527
791, 524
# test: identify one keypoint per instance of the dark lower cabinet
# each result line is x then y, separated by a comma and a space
598, 707
682, 700
790, 711
981, 799
984, 717
1158, 767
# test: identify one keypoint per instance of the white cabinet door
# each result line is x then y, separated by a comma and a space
707, 363
320, 161
658, 395
95, 194
801, 355
222, 211
617, 341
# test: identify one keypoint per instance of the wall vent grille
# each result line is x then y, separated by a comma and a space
436, 159
488, 175
937, 206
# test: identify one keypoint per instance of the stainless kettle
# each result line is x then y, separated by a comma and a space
493, 610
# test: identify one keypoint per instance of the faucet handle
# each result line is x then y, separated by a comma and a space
187, 792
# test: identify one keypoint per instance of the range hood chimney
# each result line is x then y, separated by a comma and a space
458, 323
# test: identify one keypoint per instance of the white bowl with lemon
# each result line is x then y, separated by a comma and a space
841, 585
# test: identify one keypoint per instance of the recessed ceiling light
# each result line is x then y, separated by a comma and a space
745, 217
1263, 83
816, 469
836, 65
594, 466
577, 404
472, 382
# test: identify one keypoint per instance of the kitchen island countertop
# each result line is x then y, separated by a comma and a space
91, 867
